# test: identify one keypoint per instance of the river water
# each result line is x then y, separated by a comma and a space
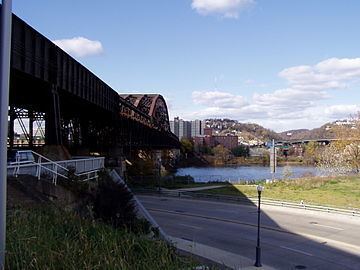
237, 174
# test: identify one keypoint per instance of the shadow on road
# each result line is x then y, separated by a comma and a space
290, 238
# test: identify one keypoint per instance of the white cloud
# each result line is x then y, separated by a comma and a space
80, 46
291, 119
218, 99
341, 111
285, 99
333, 73
226, 8
300, 105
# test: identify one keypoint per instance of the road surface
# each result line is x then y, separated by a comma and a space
290, 238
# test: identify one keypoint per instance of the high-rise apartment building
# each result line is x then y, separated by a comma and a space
181, 128
197, 128
184, 129
174, 126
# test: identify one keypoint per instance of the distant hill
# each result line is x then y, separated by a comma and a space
247, 132
255, 134
327, 131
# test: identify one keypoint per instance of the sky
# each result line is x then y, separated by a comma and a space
279, 63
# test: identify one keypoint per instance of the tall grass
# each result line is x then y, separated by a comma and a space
49, 238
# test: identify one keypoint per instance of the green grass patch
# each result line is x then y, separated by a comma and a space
337, 191
49, 238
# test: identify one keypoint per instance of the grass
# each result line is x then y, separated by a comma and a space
337, 191
49, 238
169, 183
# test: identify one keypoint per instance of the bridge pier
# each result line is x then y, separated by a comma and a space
52, 119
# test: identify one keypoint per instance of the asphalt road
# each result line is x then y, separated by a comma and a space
290, 238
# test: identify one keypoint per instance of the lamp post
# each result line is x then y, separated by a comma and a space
5, 47
259, 189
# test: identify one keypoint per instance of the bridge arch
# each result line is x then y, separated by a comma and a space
153, 105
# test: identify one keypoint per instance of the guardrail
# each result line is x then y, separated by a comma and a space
84, 168
249, 200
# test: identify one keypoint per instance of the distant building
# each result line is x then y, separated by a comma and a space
228, 142
208, 131
199, 141
184, 129
22, 140
181, 128
197, 128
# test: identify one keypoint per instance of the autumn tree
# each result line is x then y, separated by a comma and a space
312, 152
221, 153
187, 146
343, 155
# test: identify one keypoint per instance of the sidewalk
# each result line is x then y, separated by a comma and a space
219, 256
199, 188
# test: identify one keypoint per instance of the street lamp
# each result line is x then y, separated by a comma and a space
259, 189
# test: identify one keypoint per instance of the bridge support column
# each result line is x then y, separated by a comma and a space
52, 122
84, 132
11, 133
31, 128
118, 159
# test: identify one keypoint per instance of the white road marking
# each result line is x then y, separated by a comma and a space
190, 226
330, 227
296, 250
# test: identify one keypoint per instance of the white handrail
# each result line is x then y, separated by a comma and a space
56, 166
42, 157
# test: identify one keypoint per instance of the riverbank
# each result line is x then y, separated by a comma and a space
330, 191
211, 161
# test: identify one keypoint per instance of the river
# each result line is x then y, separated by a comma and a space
236, 174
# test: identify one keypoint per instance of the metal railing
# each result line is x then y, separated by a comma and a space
82, 168
249, 200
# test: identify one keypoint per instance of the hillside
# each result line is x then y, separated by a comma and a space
248, 133
327, 131
254, 134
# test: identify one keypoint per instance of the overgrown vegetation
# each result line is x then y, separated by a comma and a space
241, 151
103, 233
114, 204
50, 238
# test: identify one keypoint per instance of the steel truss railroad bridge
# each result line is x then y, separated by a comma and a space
79, 109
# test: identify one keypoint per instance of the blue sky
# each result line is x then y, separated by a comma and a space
283, 64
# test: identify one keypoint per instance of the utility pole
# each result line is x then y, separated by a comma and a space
5, 48
273, 160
